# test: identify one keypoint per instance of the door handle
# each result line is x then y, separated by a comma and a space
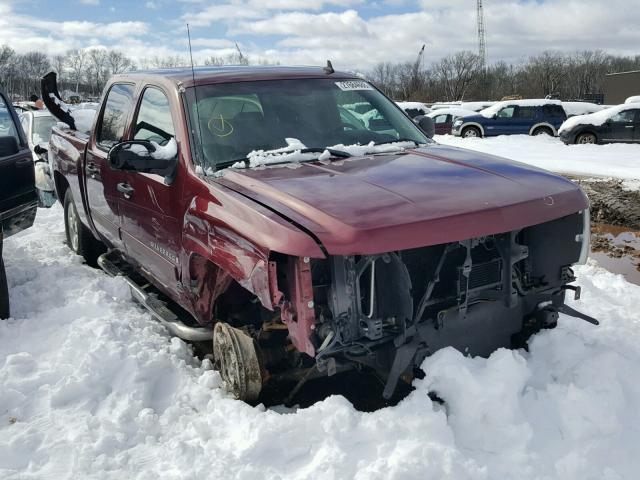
92, 169
629, 126
24, 162
126, 189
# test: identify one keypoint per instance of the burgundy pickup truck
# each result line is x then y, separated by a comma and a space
253, 207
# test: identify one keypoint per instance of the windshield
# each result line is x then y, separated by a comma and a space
42, 129
237, 119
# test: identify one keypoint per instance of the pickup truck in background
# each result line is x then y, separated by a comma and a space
18, 197
243, 209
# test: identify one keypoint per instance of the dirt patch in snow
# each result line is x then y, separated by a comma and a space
612, 203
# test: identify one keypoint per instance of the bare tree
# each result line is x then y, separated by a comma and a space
77, 62
457, 72
118, 63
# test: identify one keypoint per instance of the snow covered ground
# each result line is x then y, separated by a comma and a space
615, 160
91, 387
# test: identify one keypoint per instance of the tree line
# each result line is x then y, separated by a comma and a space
459, 76
84, 71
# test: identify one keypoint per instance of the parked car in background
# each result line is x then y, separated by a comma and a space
581, 108
513, 117
37, 125
414, 109
619, 124
18, 198
443, 118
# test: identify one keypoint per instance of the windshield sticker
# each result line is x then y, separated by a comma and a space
354, 85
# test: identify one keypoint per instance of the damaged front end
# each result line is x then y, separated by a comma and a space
389, 311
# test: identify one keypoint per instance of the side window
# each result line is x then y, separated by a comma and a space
118, 106
628, 116
7, 127
506, 112
154, 118
440, 119
526, 112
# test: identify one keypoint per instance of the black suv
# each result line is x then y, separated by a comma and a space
18, 196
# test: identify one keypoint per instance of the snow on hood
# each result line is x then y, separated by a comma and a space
597, 118
414, 105
581, 108
93, 387
531, 102
455, 112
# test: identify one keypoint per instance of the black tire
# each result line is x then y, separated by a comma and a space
543, 131
79, 238
586, 139
471, 132
4, 291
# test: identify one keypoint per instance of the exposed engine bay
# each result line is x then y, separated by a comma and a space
389, 311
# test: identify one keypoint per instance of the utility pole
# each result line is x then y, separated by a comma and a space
482, 47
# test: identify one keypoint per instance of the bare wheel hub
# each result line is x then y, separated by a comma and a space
237, 360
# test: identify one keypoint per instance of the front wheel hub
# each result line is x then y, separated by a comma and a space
236, 358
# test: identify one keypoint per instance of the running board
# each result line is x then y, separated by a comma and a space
109, 262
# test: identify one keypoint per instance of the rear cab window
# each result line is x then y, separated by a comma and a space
117, 109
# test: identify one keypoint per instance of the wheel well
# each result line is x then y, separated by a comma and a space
474, 126
543, 125
586, 132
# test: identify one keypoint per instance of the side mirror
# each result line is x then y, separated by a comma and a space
145, 157
426, 124
8, 146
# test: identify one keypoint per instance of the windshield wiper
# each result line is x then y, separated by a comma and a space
247, 161
332, 151
398, 140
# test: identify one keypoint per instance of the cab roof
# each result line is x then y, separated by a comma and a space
184, 76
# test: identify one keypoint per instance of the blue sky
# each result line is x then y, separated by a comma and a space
353, 33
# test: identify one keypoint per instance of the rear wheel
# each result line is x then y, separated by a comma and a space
79, 238
543, 131
586, 138
471, 132
236, 358
4, 291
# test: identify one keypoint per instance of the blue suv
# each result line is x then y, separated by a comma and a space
529, 117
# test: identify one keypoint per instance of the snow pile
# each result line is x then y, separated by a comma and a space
422, 107
165, 152
83, 119
453, 111
634, 99
614, 160
93, 388
597, 118
489, 112
580, 108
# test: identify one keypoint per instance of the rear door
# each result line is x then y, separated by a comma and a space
18, 197
102, 180
150, 213
621, 127
524, 118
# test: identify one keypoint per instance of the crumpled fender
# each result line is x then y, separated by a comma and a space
237, 238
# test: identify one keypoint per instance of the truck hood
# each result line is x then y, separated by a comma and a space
426, 196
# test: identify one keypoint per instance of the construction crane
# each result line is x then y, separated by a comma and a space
482, 47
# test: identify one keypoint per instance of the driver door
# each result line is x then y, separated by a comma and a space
18, 198
150, 211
